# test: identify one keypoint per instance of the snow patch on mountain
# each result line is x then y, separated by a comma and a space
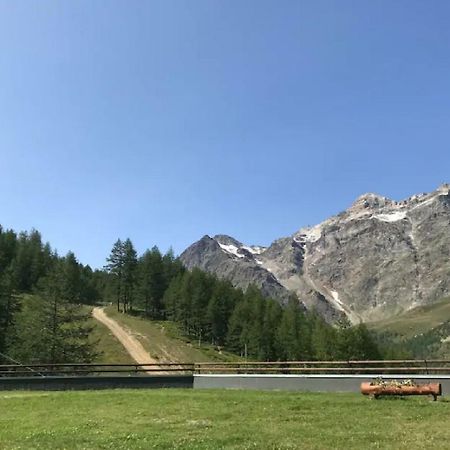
354, 318
254, 250
231, 249
338, 303
391, 217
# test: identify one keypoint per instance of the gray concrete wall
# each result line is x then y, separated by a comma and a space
96, 382
306, 383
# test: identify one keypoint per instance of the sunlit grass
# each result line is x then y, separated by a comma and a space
164, 341
189, 419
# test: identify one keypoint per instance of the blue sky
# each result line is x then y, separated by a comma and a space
166, 120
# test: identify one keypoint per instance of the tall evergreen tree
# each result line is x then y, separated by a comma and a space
172, 298
115, 266
128, 274
172, 266
8, 248
152, 282
272, 318
8, 309
219, 310
89, 292
72, 278
238, 327
323, 339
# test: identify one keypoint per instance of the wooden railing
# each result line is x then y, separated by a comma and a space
401, 367
79, 369
376, 367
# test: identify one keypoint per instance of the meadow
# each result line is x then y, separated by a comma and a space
416, 321
218, 419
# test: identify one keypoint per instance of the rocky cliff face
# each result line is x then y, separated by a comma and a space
374, 260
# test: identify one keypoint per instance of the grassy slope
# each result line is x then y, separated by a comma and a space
110, 349
164, 341
186, 419
416, 321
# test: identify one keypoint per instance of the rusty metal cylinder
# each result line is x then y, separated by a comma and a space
376, 390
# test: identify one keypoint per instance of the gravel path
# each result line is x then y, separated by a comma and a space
131, 344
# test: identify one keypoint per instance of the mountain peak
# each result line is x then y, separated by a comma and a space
371, 201
227, 240
378, 258
444, 189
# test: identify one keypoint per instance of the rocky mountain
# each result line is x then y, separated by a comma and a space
376, 259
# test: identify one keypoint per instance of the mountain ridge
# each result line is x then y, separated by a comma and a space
378, 258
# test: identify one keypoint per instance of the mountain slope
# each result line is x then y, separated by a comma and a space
378, 258
232, 260
423, 331
416, 321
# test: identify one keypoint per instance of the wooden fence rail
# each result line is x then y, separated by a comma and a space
373, 367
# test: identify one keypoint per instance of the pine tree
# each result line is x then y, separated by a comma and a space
238, 327
172, 266
345, 342
89, 292
219, 309
50, 329
323, 339
8, 248
128, 274
203, 286
151, 282
293, 333
272, 318
115, 267
8, 309
254, 330
172, 298
355, 342
72, 278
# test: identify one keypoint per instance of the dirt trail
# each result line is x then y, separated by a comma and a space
131, 344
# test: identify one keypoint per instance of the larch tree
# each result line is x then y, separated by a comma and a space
128, 274
49, 328
115, 267
151, 282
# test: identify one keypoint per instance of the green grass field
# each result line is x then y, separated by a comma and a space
187, 419
164, 341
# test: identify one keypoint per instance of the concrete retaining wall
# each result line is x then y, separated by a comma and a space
306, 383
96, 382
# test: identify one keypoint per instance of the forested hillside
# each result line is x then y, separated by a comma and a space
42, 318
212, 310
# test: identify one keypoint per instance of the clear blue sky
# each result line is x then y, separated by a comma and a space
166, 120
